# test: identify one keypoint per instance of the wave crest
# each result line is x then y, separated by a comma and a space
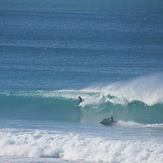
148, 89
139, 100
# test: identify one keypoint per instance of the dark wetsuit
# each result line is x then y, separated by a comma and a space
80, 99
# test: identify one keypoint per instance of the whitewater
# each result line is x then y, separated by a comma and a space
57, 142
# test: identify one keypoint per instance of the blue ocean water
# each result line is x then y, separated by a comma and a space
108, 52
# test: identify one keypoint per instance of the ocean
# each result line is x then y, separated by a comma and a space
108, 52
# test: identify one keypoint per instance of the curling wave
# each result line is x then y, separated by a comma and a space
139, 100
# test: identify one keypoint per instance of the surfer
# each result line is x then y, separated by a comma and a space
80, 99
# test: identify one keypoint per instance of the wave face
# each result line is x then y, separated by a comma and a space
139, 100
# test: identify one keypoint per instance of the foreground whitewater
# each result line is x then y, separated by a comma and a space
24, 141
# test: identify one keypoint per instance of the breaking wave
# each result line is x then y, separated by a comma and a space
139, 100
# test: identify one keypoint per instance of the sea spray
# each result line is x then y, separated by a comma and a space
147, 89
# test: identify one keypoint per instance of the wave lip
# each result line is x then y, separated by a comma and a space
148, 89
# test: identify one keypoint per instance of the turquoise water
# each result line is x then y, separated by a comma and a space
107, 52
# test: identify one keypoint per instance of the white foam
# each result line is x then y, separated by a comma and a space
147, 89
129, 124
46, 144
154, 125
